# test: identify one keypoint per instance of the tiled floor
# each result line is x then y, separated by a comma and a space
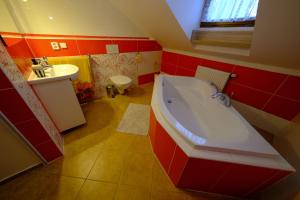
101, 163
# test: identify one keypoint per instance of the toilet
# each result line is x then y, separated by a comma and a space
121, 82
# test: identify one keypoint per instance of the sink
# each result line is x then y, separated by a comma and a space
55, 73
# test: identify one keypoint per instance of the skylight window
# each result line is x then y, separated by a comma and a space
229, 13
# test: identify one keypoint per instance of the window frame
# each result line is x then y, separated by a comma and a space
248, 23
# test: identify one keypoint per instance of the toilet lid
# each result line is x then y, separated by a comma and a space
119, 79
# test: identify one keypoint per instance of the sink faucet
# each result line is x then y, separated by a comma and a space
223, 98
44, 62
39, 69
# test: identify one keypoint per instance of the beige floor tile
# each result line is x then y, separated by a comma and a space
142, 145
78, 165
119, 141
160, 180
127, 192
109, 166
92, 190
62, 188
138, 170
166, 195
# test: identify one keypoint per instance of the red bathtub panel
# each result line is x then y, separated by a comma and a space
164, 147
247, 95
177, 166
33, 131
126, 45
4, 82
188, 62
42, 47
185, 72
92, 46
48, 150
148, 45
290, 88
168, 68
152, 128
170, 58
13, 106
259, 79
217, 65
282, 107
279, 174
202, 175
242, 179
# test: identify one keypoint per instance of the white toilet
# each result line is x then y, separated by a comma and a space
121, 82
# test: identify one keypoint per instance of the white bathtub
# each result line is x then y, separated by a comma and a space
203, 127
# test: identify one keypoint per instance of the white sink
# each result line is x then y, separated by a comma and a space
55, 73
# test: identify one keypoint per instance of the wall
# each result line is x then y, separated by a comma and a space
190, 21
76, 17
7, 22
275, 41
24, 111
98, 24
271, 92
20, 158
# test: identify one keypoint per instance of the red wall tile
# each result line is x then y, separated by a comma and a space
148, 45
247, 95
184, 72
42, 47
178, 165
146, 78
241, 179
33, 131
188, 62
217, 65
169, 58
13, 106
49, 150
126, 45
4, 82
258, 79
290, 88
18, 47
202, 175
164, 147
283, 107
168, 68
92, 46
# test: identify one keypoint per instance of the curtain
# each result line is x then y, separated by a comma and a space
229, 10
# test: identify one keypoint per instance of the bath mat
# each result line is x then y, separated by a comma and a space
135, 120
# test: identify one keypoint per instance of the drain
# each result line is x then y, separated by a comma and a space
169, 101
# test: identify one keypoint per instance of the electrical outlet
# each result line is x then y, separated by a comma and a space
63, 45
55, 45
112, 48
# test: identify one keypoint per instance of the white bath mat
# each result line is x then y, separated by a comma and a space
135, 120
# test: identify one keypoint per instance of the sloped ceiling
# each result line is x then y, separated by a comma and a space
156, 19
275, 40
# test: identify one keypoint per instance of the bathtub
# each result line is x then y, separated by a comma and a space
187, 124
205, 123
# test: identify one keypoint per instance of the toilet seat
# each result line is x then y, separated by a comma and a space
120, 80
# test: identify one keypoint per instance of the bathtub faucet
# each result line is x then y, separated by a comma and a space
223, 98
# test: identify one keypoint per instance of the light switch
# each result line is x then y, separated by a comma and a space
54, 45
63, 45
112, 48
